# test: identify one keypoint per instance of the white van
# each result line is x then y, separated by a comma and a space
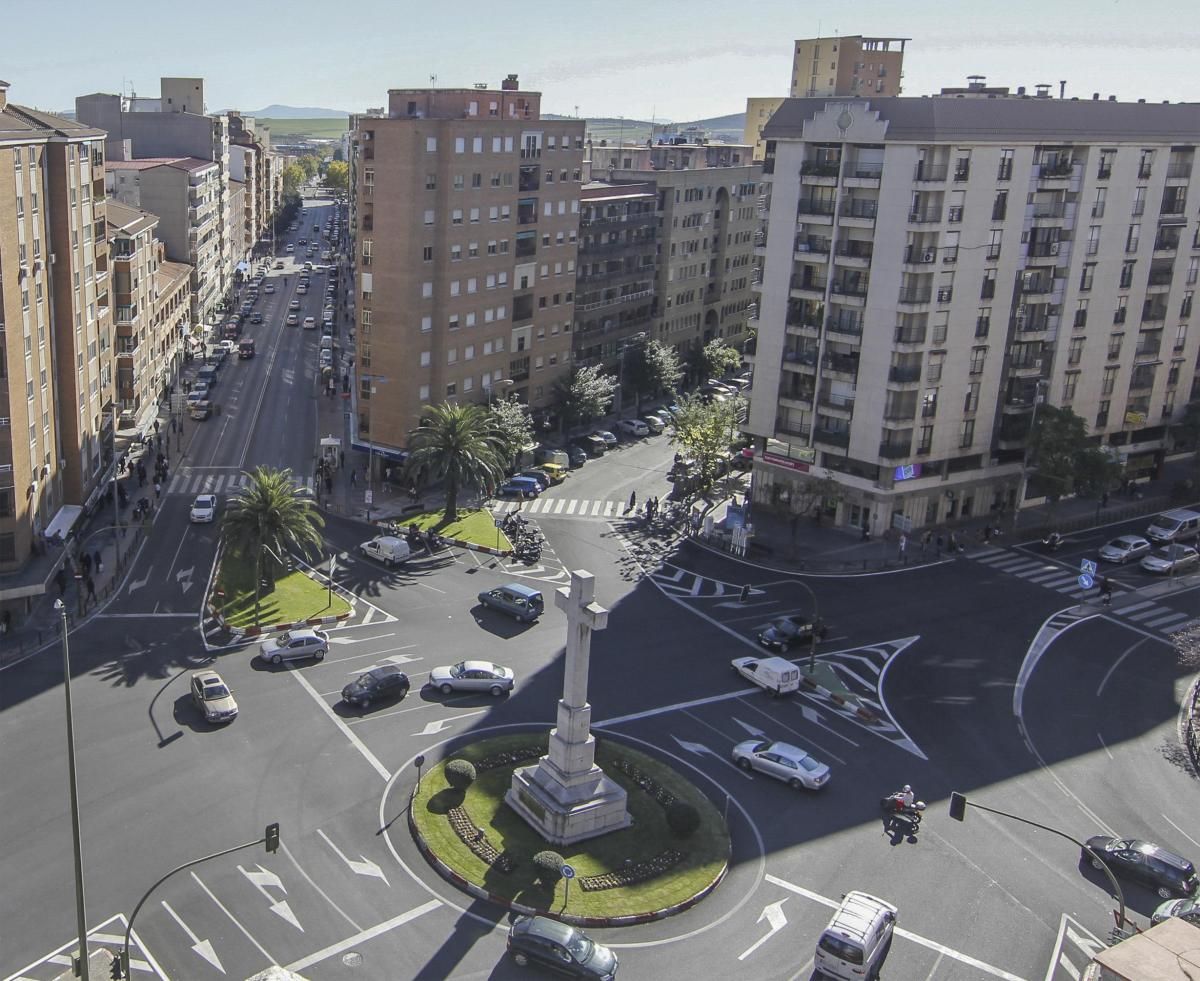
776, 674
327, 343
1174, 526
386, 549
856, 942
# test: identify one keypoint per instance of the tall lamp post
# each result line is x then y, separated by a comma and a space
1038, 396
371, 391
82, 970
816, 620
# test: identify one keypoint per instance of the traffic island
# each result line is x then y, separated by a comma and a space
674, 853
293, 598
473, 529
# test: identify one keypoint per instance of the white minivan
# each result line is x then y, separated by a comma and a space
1174, 526
855, 944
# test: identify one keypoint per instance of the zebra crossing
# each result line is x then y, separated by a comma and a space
192, 482
564, 507
1146, 614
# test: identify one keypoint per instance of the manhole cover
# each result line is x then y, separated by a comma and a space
352, 958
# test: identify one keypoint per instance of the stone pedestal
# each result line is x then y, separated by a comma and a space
566, 796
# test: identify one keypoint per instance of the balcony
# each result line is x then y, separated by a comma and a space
1059, 168
831, 400
613, 301
864, 171
820, 168
802, 357
915, 294
1179, 169
811, 284
846, 364
806, 244
1048, 209
925, 216
1037, 285
849, 288
909, 335
1153, 313
955, 214
851, 326
859, 208
815, 206
904, 374
529, 179
1147, 352
1042, 250
895, 451
930, 172
531, 153
1160, 277
637, 219
918, 255
793, 429
834, 437
1165, 242
962, 173
856, 250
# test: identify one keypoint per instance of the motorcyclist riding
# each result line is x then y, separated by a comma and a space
907, 797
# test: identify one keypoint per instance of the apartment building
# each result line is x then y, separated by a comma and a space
252, 162
465, 216
240, 227
868, 67
706, 203
174, 125
149, 319
55, 337
188, 195
934, 268
759, 110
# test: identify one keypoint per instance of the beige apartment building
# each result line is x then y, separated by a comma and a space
55, 337
759, 110
706, 203
935, 268
868, 67
240, 226
150, 313
465, 217
187, 195
251, 161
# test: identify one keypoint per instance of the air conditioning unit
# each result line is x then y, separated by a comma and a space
1052, 249
930, 255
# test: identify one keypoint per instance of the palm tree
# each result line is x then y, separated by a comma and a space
459, 445
270, 514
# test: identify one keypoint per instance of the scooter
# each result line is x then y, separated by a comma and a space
893, 804
1052, 542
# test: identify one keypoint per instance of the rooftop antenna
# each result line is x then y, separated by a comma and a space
432, 81
577, 112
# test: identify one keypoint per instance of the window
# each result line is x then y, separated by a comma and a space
451, 390
477, 180
456, 216
1109, 382
1102, 415
971, 402
1132, 237
455, 253
1139, 201
452, 356
1122, 309
995, 238
1146, 164
473, 250
426, 324
966, 433
1104, 171
1098, 203
1114, 346
978, 356
1075, 350
426, 290
426, 359
460, 144
1126, 280
423, 393
983, 322
1004, 172
474, 214
477, 144
1185, 307
452, 322
989, 284
1093, 241
431, 182
1087, 276
1000, 206
427, 253
469, 352
1069, 380
1081, 313
1193, 270
431, 144
1180, 338
460, 182
429, 216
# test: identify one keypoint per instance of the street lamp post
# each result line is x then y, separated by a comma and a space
1024, 485
80, 918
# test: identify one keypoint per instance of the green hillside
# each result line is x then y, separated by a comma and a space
283, 130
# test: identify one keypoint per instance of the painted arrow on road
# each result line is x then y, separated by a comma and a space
362, 867
184, 576
396, 659
749, 728
438, 725
139, 583
202, 947
701, 750
774, 915
262, 880
358, 640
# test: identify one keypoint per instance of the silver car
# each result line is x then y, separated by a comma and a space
783, 761
212, 697
1171, 559
1123, 548
295, 645
473, 676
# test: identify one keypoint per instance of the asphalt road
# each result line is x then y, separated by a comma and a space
1076, 732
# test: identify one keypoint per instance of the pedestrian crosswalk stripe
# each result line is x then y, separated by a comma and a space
1163, 621
1125, 610
596, 508
608, 508
571, 506
1154, 611
995, 558
1055, 583
192, 484
563, 507
1042, 575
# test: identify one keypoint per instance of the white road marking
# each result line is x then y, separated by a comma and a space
320, 891
561, 503
1181, 831
571, 505
1116, 664
360, 866
364, 935
608, 508
221, 906
346, 731
957, 955
359, 640
439, 724
810, 715
203, 948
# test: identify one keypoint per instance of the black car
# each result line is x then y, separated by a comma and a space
559, 947
794, 629
1165, 872
376, 685
256, 318
577, 455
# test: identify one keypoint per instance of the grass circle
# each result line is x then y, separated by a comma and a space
705, 853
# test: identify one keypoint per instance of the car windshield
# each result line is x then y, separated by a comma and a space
213, 692
458, 670
809, 764
284, 639
580, 947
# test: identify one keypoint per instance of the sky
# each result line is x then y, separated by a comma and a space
675, 60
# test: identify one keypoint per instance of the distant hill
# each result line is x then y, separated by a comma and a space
299, 112
729, 127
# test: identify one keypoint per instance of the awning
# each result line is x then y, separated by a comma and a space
388, 454
243, 267
62, 523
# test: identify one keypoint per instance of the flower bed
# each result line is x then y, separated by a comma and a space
477, 841
634, 872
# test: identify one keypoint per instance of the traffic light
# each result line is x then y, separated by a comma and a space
958, 805
272, 837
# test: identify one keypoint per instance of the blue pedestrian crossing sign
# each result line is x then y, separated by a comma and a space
1086, 581
1087, 567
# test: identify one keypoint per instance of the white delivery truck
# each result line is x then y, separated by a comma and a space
776, 674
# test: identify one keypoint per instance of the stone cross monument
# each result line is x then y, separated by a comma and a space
566, 796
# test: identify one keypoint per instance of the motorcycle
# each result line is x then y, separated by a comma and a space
1052, 542
893, 805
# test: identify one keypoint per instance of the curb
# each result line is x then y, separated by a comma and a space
241, 632
863, 713
455, 879
471, 546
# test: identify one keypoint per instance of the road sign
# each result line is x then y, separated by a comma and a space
498, 522
1087, 567
1086, 581
568, 872
370, 498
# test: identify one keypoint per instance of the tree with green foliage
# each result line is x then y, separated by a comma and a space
717, 359
310, 163
650, 367
704, 431
1063, 460
458, 445
586, 395
338, 155
270, 515
337, 176
293, 179
511, 418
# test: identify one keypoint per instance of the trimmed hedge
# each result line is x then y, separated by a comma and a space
460, 774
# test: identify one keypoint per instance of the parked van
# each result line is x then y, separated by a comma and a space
327, 342
776, 674
386, 549
516, 600
207, 375
856, 942
1174, 526
201, 409
548, 454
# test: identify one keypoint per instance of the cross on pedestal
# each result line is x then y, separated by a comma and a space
566, 796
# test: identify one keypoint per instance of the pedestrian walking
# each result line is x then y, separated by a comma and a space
353, 478
903, 546
328, 485
60, 580
342, 458
987, 534
954, 546
940, 543
91, 588
745, 594
98, 562
157, 490
632, 501
86, 562
1105, 590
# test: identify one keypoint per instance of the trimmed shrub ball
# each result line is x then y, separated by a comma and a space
460, 774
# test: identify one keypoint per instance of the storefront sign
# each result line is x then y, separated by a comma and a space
908, 471
790, 462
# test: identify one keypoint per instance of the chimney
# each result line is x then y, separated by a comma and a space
975, 83
1020, 90
1043, 90
1062, 89
1112, 98
510, 84
3, 94
1095, 96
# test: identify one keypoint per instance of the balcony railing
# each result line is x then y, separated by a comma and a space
835, 437
834, 401
1160, 277
904, 373
1147, 350
811, 244
925, 216
920, 255
858, 208
865, 171
915, 294
814, 206
1049, 209
845, 325
845, 363
1037, 284
856, 250
1056, 169
614, 300
849, 288
1179, 168
909, 335
1042, 250
800, 356
895, 451
930, 172
819, 168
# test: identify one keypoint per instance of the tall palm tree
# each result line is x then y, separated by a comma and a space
459, 445
270, 514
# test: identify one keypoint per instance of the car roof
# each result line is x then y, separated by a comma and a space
521, 589
383, 671
302, 632
787, 749
479, 666
1128, 538
207, 678
206, 499
542, 926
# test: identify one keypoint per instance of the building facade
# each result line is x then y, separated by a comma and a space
867, 67
759, 110
933, 269
255, 166
187, 195
56, 383
465, 218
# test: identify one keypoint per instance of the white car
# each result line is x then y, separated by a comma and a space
633, 427
213, 697
294, 305
291, 248
1123, 548
654, 423
302, 289
310, 323
229, 346
269, 288
1171, 559
204, 508
472, 676
783, 761
295, 645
